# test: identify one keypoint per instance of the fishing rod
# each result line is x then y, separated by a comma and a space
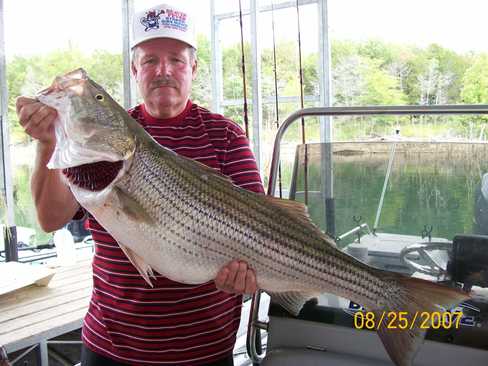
243, 66
305, 155
275, 71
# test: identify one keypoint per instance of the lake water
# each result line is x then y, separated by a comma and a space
431, 185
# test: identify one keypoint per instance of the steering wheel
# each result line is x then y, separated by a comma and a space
431, 266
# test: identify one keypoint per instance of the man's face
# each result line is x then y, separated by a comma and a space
164, 70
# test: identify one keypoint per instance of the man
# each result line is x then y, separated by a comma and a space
128, 322
480, 225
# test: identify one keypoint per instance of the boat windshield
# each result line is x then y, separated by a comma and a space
399, 205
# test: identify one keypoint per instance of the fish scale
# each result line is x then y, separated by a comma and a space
186, 221
347, 280
296, 248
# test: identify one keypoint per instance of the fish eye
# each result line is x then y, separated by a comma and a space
99, 97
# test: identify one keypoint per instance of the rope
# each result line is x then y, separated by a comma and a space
385, 185
243, 65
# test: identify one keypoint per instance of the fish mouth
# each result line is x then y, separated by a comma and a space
93, 176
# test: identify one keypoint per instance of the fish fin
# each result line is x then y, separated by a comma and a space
205, 172
142, 267
413, 297
132, 208
299, 211
295, 209
292, 301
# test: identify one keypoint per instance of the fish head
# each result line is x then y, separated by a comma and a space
91, 126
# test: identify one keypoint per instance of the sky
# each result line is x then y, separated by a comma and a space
38, 26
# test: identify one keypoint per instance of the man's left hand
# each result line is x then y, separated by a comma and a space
236, 278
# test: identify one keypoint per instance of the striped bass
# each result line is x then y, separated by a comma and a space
184, 220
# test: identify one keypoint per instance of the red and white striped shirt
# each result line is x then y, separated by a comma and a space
171, 323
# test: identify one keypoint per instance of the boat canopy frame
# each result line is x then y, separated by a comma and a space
253, 342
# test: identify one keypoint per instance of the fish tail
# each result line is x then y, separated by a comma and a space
407, 313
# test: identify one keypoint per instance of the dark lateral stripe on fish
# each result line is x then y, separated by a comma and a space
185, 204
177, 201
279, 228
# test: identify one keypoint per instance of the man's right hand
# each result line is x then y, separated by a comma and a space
37, 119
54, 201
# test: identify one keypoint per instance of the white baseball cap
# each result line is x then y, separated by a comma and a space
163, 21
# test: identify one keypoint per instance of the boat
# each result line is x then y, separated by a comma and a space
374, 230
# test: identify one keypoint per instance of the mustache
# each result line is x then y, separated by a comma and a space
163, 82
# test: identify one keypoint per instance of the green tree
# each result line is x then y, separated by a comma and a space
202, 86
452, 67
475, 82
381, 87
475, 91
364, 80
436, 76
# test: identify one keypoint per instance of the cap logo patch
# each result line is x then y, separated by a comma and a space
151, 20
168, 18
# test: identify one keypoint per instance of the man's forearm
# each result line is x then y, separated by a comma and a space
55, 204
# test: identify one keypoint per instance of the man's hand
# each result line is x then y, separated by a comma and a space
54, 201
37, 119
236, 278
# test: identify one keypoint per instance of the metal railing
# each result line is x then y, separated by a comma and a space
255, 325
